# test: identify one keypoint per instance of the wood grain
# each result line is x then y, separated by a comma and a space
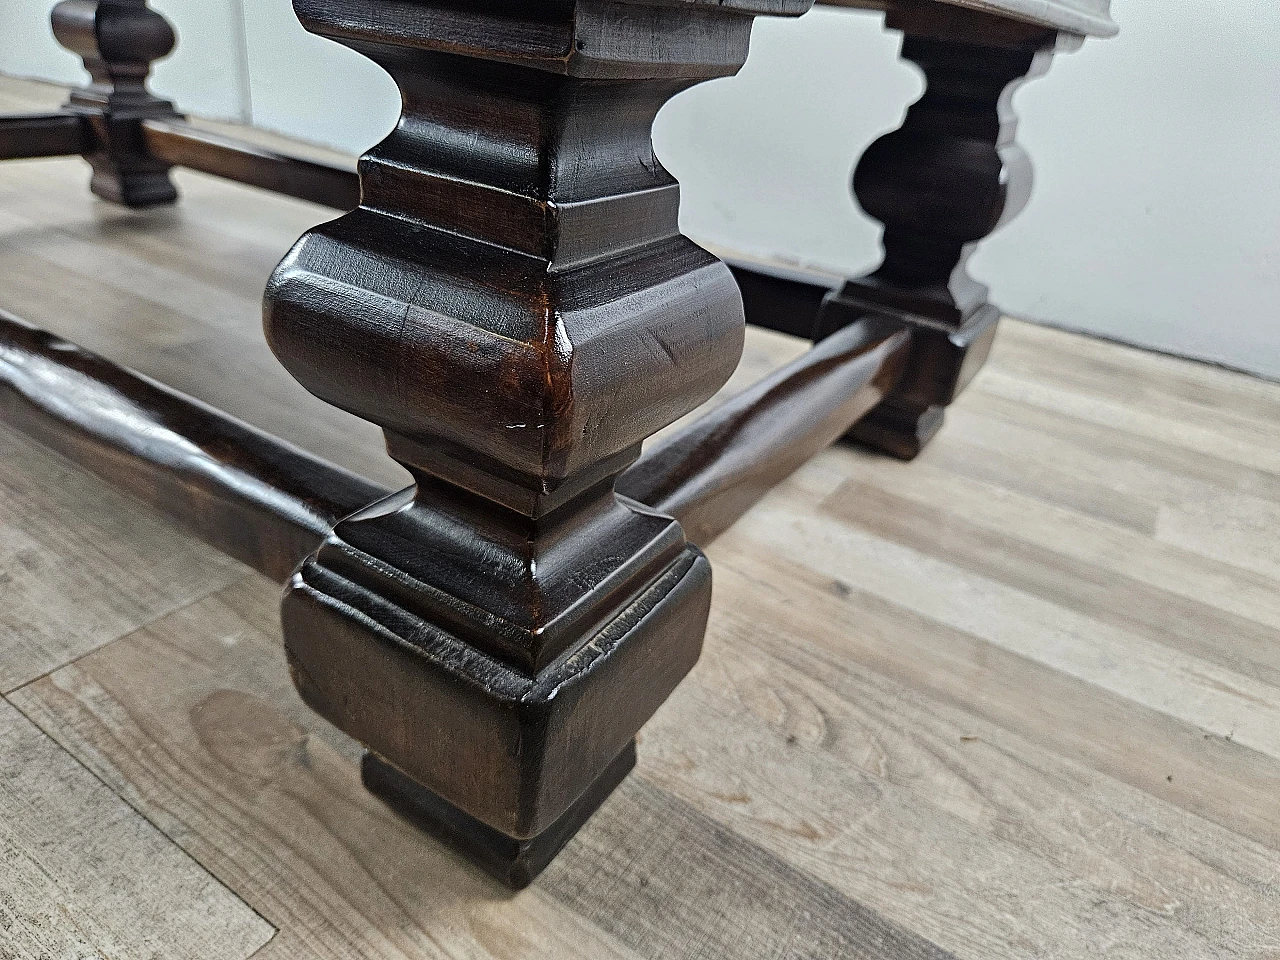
173, 293
84, 876
849, 698
668, 880
267, 797
104, 568
889, 845
513, 303
1077, 643
709, 474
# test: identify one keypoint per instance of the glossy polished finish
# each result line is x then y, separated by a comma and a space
510, 300
885, 639
183, 145
709, 474
270, 505
248, 494
43, 135
514, 304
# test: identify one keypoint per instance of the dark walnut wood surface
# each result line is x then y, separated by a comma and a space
1085, 17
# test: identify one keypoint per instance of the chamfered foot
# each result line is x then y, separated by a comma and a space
512, 861
942, 364
901, 432
136, 190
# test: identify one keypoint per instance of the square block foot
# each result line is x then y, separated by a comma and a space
897, 431
512, 861
136, 190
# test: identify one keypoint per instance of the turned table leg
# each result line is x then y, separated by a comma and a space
513, 303
944, 180
118, 40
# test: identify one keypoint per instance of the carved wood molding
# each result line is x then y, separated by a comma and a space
514, 304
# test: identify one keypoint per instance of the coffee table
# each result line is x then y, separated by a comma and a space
508, 296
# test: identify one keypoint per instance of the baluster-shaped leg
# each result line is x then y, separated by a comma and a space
945, 179
118, 40
513, 303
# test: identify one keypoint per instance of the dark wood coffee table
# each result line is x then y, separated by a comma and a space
510, 299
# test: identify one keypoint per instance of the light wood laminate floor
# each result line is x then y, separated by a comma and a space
1019, 698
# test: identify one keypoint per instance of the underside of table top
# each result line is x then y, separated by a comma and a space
1086, 17
593, 39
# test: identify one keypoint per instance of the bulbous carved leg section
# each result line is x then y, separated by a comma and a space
118, 40
948, 177
512, 302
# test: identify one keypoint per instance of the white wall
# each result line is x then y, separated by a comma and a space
312, 87
1156, 215
206, 73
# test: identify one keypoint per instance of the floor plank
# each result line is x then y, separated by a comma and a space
1178, 763
1080, 537
84, 876
1250, 446
82, 565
